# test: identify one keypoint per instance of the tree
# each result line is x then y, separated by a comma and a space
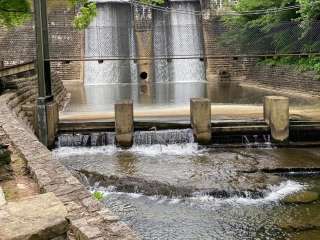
286, 27
16, 12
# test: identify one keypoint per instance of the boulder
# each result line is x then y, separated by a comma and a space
37, 217
301, 197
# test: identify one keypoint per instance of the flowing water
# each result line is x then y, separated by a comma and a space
168, 187
112, 36
109, 35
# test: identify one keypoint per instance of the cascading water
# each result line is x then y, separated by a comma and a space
185, 40
140, 138
109, 36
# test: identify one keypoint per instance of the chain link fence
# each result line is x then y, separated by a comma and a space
160, 40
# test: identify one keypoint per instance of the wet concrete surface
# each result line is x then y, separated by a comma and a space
188, 192
185, 169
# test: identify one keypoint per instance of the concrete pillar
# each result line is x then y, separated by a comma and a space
143, 25
124, 123
276, 115
47, 122
200, 112
53, 119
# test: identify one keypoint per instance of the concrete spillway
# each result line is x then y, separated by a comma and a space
109, 35
170, 34
185, 40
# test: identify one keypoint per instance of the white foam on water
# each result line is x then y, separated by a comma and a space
171, 149
147, 150
74, 151
273, 194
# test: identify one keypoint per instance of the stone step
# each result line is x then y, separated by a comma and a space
38, 217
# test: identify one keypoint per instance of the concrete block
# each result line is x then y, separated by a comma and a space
53, 118
39, 217
200, 113
276, 114
124, 123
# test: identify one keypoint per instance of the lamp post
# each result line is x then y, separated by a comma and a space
46, 108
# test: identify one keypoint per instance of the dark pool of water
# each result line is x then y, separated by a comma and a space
200, 216
93, 98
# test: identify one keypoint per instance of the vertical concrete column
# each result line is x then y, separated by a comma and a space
200, 113
124, 123
47, 118
276, 115
52, 121
267, 101
143, 21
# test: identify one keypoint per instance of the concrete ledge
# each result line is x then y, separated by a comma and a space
39, 217
83, 211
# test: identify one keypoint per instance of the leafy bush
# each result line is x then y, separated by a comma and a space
303, 64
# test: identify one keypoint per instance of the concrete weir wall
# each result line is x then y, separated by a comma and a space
88, 217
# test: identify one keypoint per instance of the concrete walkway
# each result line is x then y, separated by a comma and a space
217, 112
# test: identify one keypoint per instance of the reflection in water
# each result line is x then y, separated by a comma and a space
126, 163
102, 97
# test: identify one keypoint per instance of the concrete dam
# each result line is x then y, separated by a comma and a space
132, 41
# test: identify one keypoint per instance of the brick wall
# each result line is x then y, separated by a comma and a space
221, 58
17, 45
283, 78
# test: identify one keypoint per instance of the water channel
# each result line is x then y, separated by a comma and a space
184, 191
167, 186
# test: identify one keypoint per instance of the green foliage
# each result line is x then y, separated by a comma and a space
98, 195
152, 2
309, 11
307, 63
86, 13
14, 12
281, 31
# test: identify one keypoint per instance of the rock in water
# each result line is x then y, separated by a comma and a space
302, 197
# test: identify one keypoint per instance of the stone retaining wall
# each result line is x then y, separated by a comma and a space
283, 78
24, 92
89, 219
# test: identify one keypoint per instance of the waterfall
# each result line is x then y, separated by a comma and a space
140, 138
175, 34
109, 35
185, 40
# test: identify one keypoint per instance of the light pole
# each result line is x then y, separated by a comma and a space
46, 108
